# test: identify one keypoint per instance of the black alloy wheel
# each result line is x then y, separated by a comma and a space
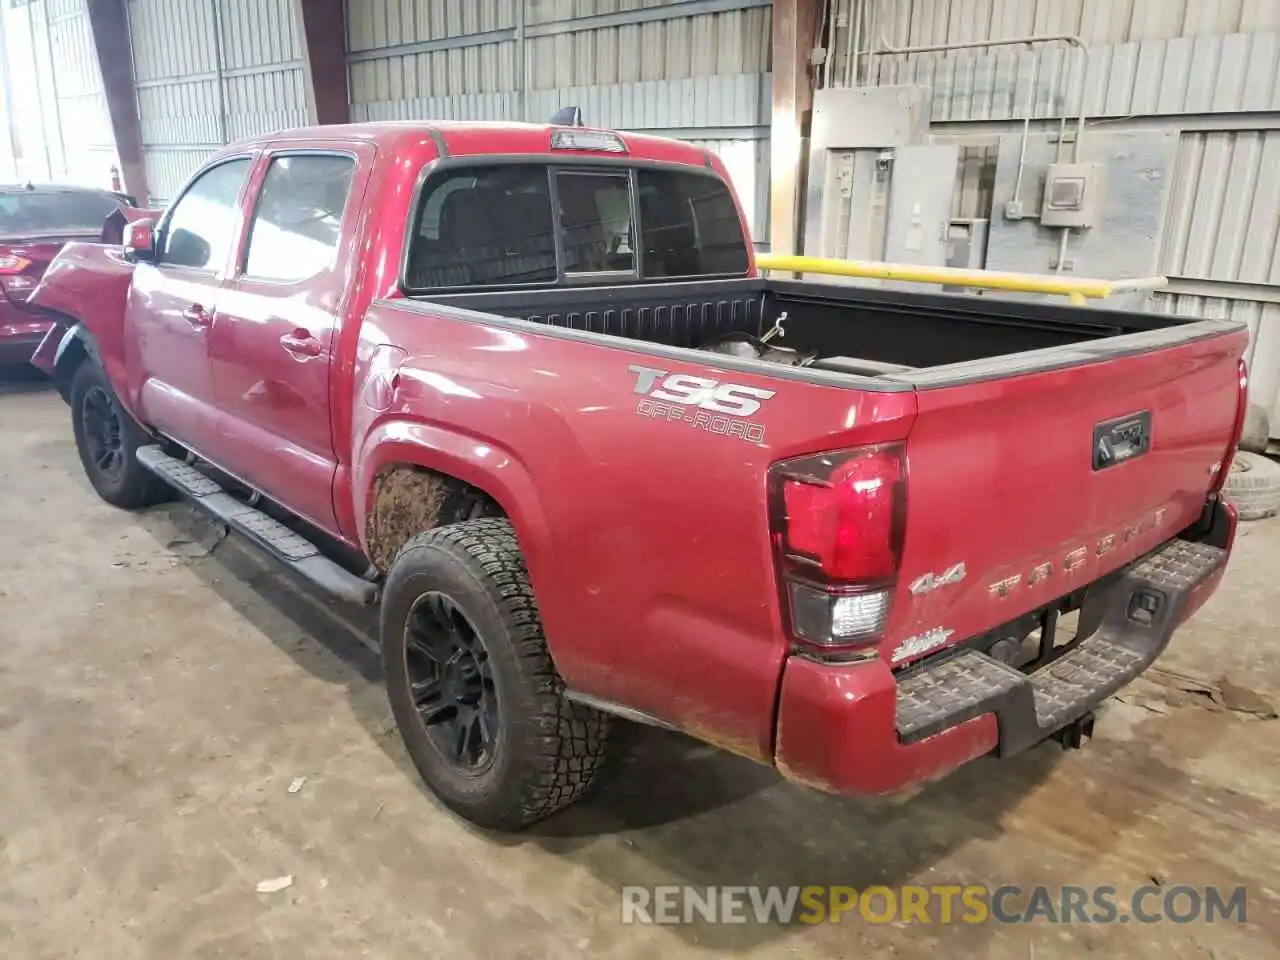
481, 708
107, 439
452, 683
103, 432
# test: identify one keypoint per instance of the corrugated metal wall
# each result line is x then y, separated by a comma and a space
925, 22
1263, 319
1224, 213
1206, 74
60, 130
236, 72
1207, 69
696, 69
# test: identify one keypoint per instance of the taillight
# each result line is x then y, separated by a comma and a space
10, 264
837, 522
1242, 408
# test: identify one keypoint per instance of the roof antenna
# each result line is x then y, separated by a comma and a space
567, 117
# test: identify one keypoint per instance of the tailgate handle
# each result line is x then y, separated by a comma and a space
1121, 439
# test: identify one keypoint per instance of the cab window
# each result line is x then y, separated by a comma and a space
201, 229
510, 225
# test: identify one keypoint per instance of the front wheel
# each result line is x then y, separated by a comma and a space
478, 702
108, 438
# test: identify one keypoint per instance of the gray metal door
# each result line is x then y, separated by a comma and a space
920, 199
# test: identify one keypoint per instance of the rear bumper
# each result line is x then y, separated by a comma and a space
858, 728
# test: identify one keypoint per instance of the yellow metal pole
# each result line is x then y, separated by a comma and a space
1075, 288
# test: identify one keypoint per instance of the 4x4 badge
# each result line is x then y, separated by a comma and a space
930, 582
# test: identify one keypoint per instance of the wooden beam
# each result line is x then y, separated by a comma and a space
109, 24
795, 31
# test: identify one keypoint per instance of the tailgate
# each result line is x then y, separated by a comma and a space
1026, 486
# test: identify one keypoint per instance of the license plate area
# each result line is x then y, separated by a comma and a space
1120, 440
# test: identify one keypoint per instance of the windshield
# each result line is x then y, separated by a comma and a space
39, 213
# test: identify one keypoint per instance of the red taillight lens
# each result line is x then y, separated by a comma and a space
838, 521
9, 264
842, 513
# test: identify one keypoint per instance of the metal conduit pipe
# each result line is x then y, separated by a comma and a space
827, 22
1031, 40
852, 37
1075, 41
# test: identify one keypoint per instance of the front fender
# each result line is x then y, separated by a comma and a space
63, 349
54, 345
87, 284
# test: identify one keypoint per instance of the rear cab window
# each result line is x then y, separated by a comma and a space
495, 225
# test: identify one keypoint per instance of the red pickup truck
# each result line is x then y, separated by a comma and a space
523, 386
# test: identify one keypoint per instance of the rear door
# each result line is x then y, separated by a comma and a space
174, 301
278, 318
1026, 487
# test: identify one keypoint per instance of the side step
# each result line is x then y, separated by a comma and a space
296, 552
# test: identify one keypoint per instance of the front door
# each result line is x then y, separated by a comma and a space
173, 302
277, 325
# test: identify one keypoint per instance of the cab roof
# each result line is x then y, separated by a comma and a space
471, 138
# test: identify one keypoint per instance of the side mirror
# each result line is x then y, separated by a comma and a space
139, 241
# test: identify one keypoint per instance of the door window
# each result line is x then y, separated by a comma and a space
202, 227
296, 223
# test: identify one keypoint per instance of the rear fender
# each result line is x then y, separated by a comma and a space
87, 285
489, 468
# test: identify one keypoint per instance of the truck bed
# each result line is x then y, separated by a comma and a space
886, 335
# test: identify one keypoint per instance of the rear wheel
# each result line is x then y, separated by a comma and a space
108, 438
478, 702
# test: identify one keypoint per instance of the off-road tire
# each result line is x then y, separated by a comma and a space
1253, 485
548, 749
131, 486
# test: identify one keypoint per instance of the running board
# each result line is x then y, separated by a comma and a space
294, 551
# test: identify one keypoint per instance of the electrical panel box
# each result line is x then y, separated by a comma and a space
1126, 199
1070, 195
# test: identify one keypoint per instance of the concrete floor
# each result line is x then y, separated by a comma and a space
157, 698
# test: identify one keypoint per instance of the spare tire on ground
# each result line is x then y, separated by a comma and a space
1257, 430
1253, 485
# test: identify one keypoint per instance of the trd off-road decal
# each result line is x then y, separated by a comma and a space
712, 405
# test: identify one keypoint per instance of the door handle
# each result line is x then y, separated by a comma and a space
197, 316
301, 344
